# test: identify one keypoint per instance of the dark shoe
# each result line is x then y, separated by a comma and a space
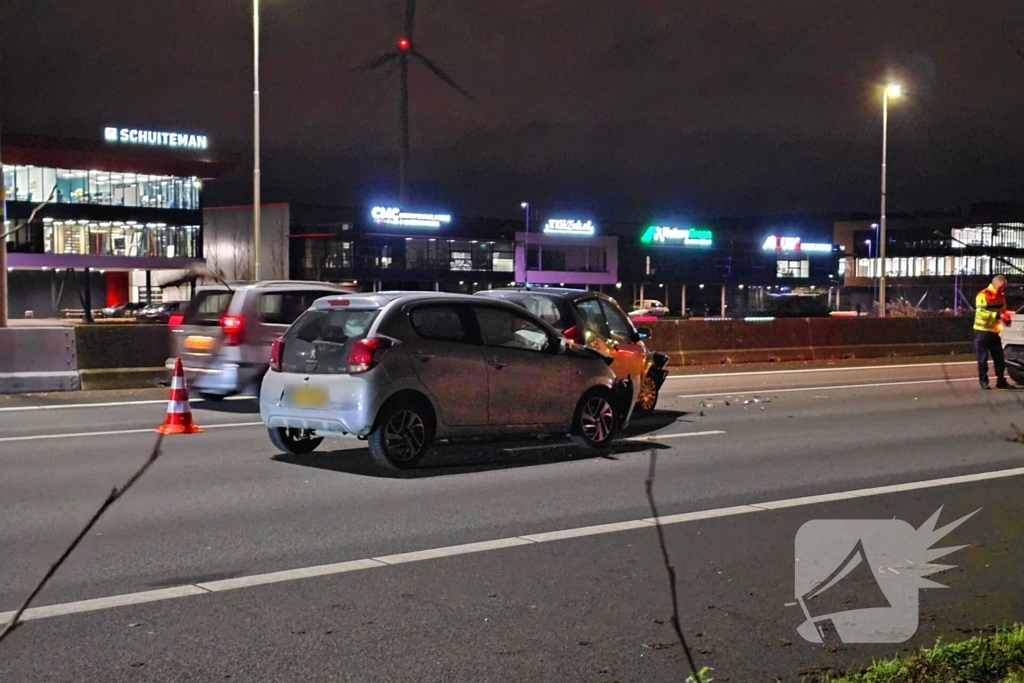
1003, 384
985, 385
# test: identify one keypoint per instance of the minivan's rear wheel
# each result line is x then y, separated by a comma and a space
294, 441
595, 423
404, 432
648, 397
1016, 375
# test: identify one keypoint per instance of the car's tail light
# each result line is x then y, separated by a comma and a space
232, 326
366, 353
575, 335
276, 352
176, 320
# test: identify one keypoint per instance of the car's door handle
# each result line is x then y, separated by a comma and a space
422, 357
495, 363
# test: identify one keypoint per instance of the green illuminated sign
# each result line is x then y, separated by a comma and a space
688, 237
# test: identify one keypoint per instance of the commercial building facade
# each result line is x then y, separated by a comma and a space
107, 216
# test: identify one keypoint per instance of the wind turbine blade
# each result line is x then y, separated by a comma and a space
376, 62
410, 17
439, 73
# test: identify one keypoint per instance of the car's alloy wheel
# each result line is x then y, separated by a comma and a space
648, 396
595, 422
293, 440
403, 435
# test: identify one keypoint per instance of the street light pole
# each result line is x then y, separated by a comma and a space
256, 132
526, 245
895, 91
3, 248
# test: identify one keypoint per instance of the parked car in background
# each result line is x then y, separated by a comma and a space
401, 369
160, 313
129, 309
595, 320
648, 307
223, 336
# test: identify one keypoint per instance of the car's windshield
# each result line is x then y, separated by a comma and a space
549, 309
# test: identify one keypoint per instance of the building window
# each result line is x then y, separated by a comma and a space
71, 186
787, 268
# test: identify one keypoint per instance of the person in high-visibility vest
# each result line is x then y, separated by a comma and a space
990, 315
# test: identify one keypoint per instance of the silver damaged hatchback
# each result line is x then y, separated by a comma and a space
401, 369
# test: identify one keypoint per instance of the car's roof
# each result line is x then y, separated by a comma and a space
381, 299
272, 284
553, 292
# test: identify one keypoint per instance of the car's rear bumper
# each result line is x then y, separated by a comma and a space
219, 377
352, 404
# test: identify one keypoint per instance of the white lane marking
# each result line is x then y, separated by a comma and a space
114, 404
657, 437
288, 575
767, 391
115, 432
419, 556
799, 372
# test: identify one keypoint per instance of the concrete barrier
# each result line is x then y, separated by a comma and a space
38, 359
800, 339
122, 356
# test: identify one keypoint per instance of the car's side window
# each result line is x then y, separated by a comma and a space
592, 316
499, 327
439, 323
618, 323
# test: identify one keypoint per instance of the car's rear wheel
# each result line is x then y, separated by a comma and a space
1016, 375
648, 397
294, 441
404, 432
594, 425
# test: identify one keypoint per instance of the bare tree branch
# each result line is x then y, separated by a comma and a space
669, 567
114, 495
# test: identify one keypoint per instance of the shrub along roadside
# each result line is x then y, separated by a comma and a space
998, 658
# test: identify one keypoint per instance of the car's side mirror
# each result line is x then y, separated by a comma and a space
643, 332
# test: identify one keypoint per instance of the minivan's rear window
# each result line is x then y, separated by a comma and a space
283, 308
208, 307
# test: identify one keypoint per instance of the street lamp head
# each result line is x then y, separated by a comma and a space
894, 90
867, 242
524, 205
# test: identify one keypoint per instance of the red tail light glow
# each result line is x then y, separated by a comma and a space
232, 326
176, 320
575, 335
276, 352
366, 353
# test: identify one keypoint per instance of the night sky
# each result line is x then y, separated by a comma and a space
617, 108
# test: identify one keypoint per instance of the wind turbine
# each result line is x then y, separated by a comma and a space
405, 48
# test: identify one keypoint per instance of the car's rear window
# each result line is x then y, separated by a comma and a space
208, 307
283, 308
332, 326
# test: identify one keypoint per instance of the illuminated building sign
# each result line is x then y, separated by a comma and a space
392, 215
154, 138
561, 226
688, 237
791, 244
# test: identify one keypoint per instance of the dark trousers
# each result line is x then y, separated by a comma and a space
986, 344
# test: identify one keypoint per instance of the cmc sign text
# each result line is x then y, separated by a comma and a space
392, 215
134, 136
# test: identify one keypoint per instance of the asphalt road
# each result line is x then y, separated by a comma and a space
221, 511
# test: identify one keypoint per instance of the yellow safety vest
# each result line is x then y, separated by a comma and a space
988, 307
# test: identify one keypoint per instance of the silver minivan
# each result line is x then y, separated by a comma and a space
400, 369
223, 337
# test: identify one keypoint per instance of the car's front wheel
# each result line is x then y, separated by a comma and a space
404, 432
648, 397
294, 441
595, 423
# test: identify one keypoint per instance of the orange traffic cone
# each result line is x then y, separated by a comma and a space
179, 415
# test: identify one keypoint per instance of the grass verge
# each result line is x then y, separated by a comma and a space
997, 658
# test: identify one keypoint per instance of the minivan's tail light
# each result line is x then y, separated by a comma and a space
176, 320
232, 326
276, 352
366, 353
575, 335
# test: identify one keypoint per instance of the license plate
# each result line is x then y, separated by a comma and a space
307, 397
198, 343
